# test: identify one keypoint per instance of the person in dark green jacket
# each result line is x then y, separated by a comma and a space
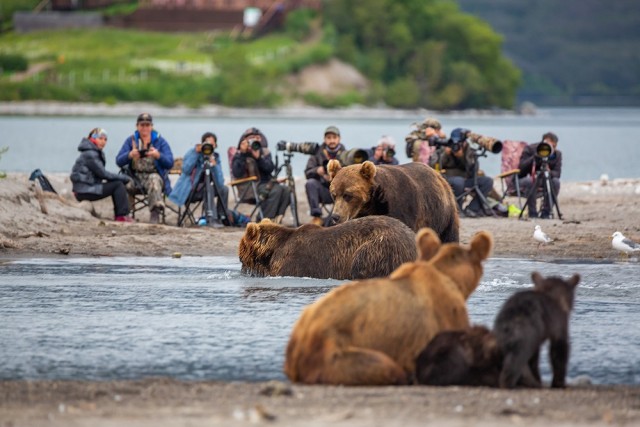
91, 181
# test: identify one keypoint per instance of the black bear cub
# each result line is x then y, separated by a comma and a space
467, 357
526, 320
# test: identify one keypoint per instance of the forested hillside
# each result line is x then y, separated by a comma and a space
571, 52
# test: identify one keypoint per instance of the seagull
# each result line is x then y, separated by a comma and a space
540, 236
623, 244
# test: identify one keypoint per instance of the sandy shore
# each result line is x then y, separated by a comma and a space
592, 212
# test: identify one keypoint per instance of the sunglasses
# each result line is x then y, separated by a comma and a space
144, 125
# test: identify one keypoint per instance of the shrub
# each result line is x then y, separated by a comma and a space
13, 62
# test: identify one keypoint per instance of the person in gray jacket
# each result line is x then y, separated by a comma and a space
91, 181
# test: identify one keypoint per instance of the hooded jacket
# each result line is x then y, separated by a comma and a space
89, 171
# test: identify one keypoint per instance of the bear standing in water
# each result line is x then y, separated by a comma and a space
526, 320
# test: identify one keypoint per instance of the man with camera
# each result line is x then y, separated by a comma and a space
418, 147
456, 159
317, 185
254, 159
149, 159
534, 158
193, 164
385, 152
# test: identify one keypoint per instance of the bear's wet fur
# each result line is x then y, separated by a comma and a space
414, 193
468, 357
369, 247
529, 318
370, 332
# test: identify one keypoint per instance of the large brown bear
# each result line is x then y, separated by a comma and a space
370, 332
414, 193
361, 249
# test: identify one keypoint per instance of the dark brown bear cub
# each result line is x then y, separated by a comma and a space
526, 320
468, 357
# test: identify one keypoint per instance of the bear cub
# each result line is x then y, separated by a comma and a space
468, 357
525, 321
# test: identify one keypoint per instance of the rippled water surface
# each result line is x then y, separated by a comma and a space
199, 318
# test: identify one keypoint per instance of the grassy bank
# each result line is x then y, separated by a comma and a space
109, 65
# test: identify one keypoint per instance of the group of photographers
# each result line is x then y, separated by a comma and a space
457, 160
147, 156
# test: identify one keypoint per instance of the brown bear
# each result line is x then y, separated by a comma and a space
414, 193
368, 247
370, 332
468, 357
526, 320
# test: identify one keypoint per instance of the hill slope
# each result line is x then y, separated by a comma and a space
572, 52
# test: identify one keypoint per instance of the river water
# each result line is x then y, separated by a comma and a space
594, 141
200, 318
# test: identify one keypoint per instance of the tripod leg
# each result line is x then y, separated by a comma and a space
533, 192
554, 200
187, 212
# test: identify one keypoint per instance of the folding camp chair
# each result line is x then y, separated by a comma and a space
139, 199
509, 181
245, 190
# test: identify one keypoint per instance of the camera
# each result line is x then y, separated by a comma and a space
255, 144
544, 150
489, 143
206, 148
298, 147
143, 153
389, 152
353, 156
436, 141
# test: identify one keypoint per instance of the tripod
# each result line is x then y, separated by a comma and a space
214, 215
486, 207
291, 183
543, 180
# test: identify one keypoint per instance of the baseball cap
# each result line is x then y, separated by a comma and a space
332, 129
145, 118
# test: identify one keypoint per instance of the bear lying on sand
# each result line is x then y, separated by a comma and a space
370, 332
467, 357
414, 193
364, 248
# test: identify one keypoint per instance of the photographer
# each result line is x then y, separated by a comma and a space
457, 161
317, 185
417, 145
530, 163
192, 165
384, 153
91, 181
254, 159
149, 157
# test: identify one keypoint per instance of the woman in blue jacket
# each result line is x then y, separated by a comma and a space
91, 181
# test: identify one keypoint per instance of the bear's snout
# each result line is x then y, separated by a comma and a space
334, 219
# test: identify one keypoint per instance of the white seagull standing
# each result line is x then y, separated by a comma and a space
623, 244
540, 236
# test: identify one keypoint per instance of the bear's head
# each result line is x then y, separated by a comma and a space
351, 188
562, 291
258, 244
463, 265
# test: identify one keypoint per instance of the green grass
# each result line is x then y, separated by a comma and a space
112, 65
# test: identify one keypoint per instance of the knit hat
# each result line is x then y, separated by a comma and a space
98, 133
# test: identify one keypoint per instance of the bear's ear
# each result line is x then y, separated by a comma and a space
368, 170
253, 231
573, 282
265, 221
537, 278
481, 244
427, 243
333, 167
